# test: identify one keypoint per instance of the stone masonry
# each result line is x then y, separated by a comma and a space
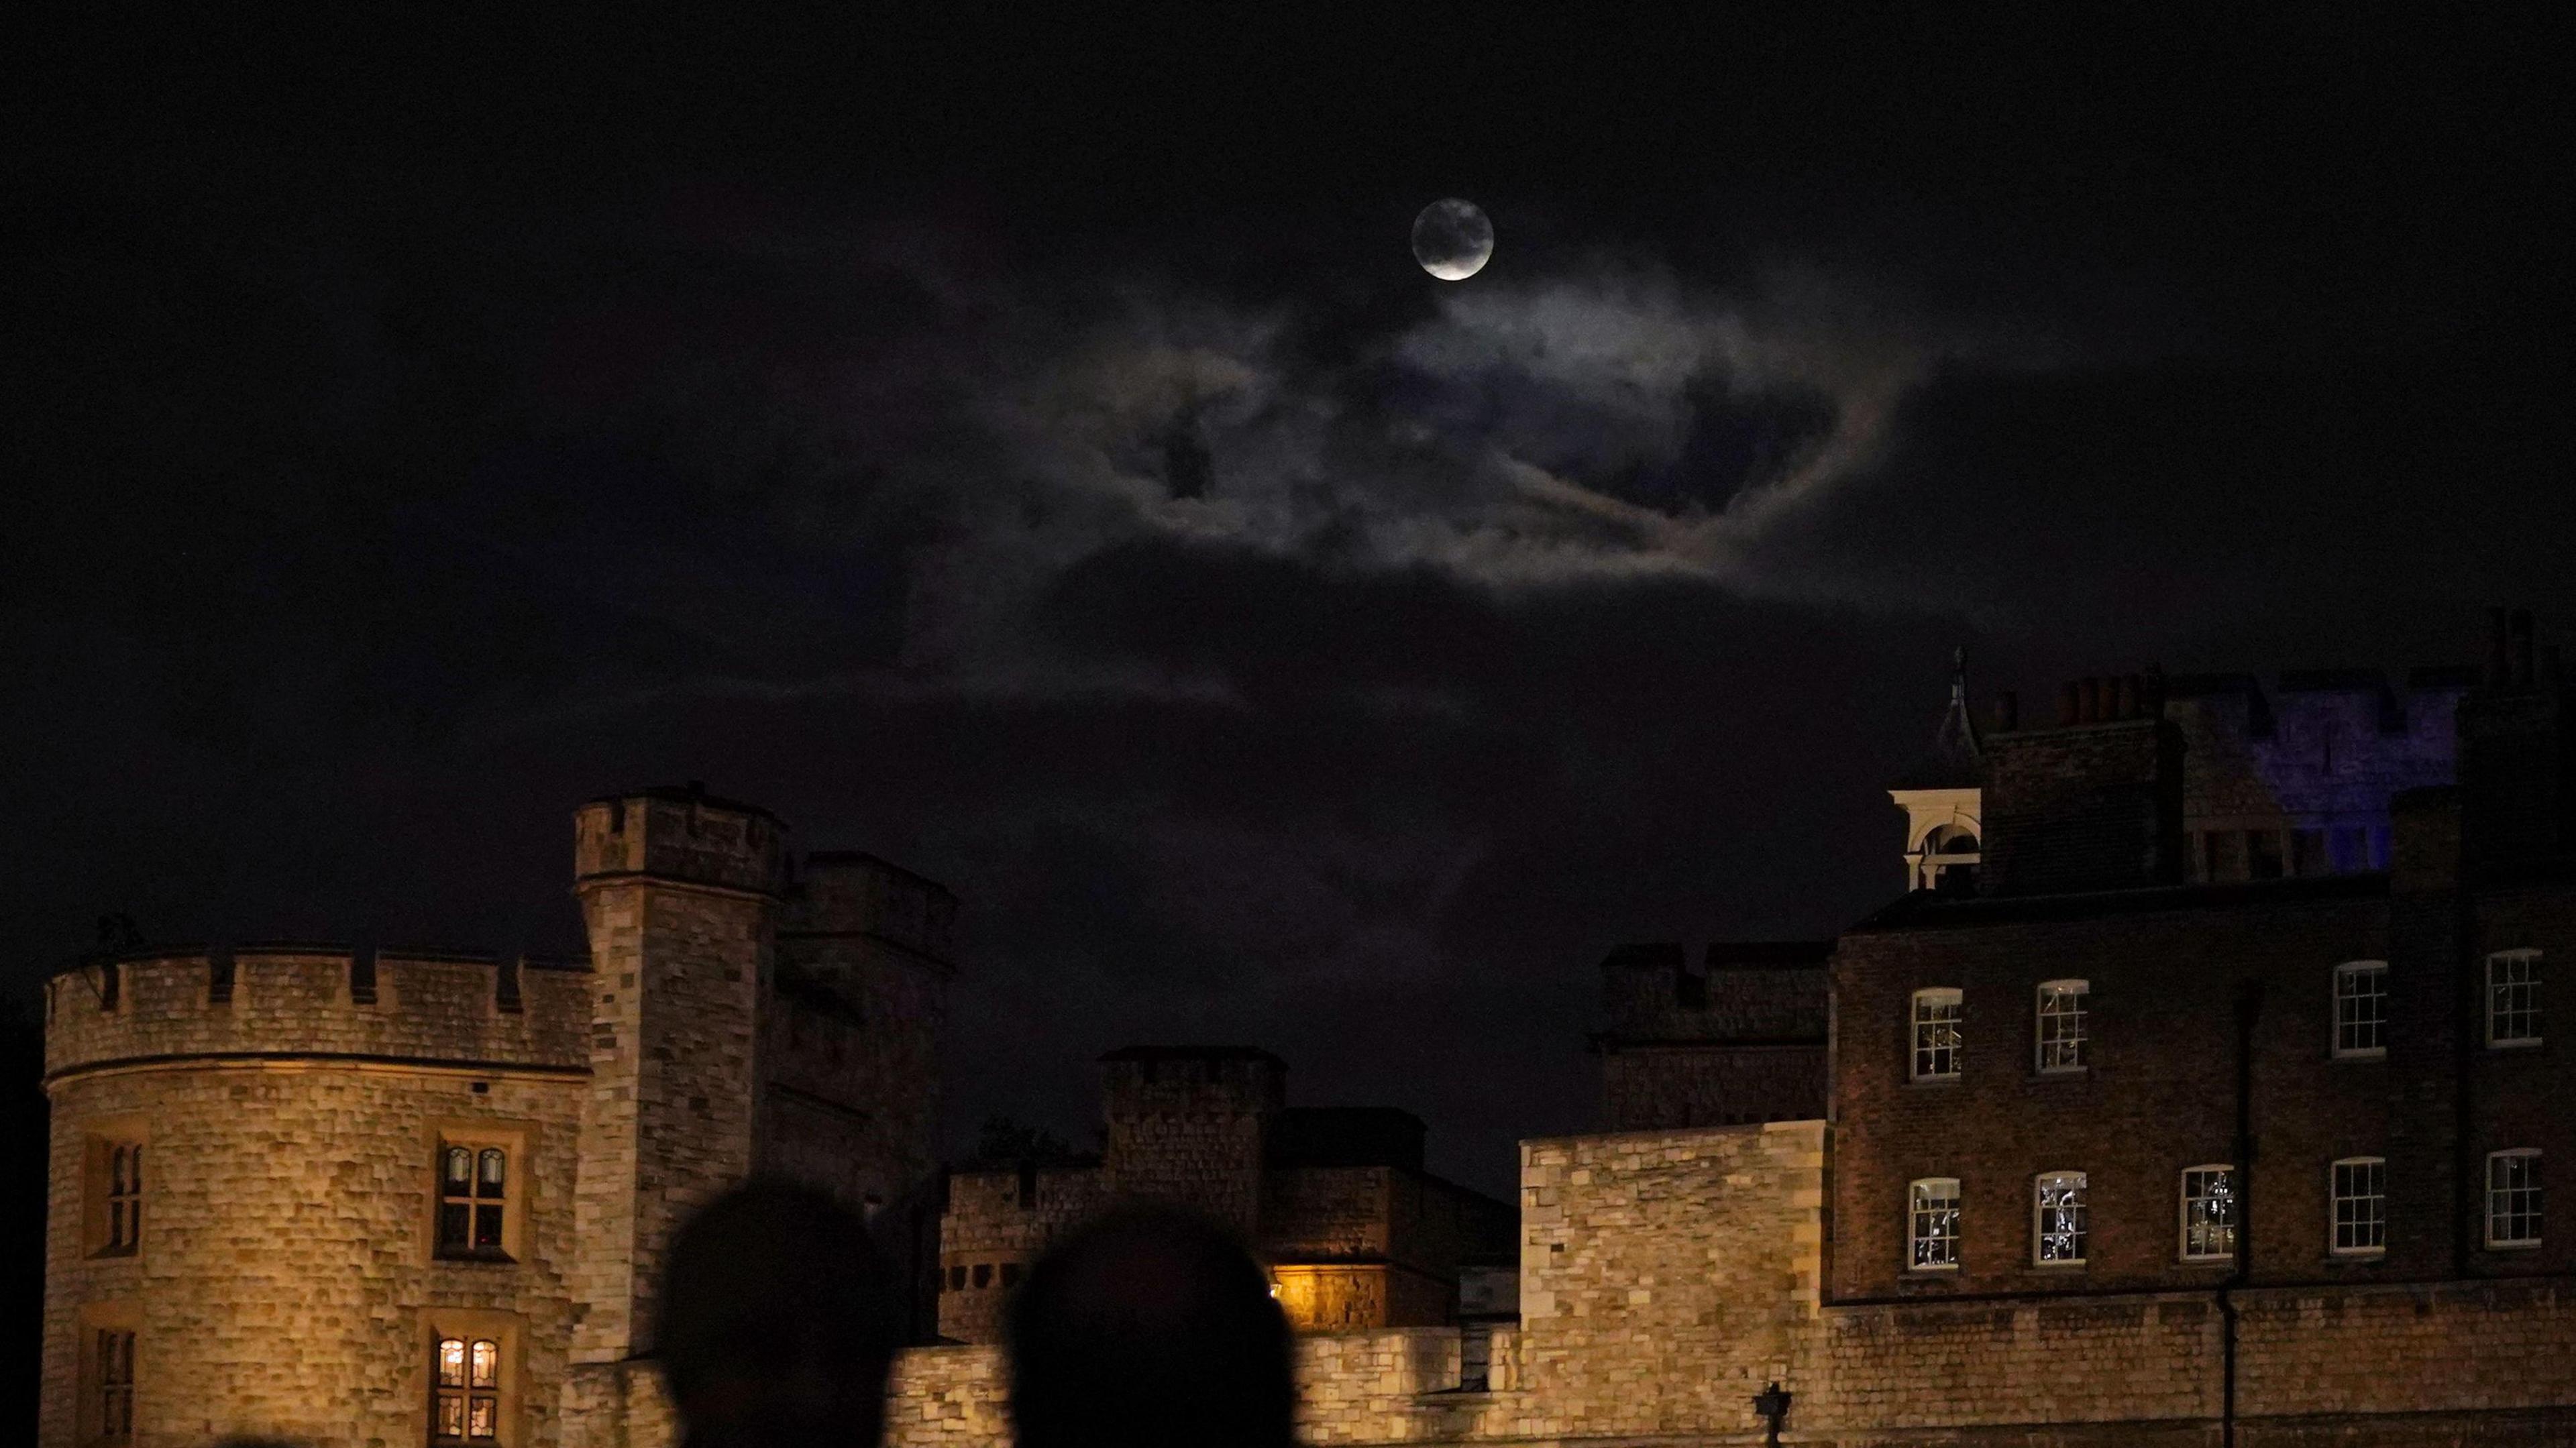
289, 1106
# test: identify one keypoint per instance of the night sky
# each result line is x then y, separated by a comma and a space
1027, 450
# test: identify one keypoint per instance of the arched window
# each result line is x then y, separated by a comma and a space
125, 1199
465, 1403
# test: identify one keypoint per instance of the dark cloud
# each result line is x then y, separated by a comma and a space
1072, 488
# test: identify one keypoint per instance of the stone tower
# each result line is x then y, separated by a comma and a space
680, 896
1187, 1125
344, 1195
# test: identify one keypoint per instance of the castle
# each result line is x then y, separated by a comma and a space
2200, 1088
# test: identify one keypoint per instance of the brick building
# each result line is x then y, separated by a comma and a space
340, 1195
2200, 1090
1355, 1233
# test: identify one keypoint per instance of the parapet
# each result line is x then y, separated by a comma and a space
1192, 1080
682, 835
317, 1004
853, 893
1749, 992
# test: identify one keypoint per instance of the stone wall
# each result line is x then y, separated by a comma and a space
299, 1000
1662, 1088
677, 898
285, 1284
1667, 1277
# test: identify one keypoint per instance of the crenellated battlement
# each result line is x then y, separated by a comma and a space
681, 836
316, 1001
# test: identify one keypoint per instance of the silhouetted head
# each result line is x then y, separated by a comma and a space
1149, 1328
776, 1325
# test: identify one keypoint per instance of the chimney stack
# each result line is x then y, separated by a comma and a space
2129, 696
2066, 703
2008, 709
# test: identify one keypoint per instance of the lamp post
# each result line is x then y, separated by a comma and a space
1773, 1405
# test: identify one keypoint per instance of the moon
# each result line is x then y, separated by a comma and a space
1452, 239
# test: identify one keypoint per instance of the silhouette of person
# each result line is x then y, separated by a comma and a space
1149, 1328
777, 1324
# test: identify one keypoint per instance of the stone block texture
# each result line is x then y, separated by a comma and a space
290, 1103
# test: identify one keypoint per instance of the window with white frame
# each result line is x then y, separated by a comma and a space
2513, 1198
2061, 1024
1933, 1224
2360, 1185
2057, 1218
2513, 998
2361, 1010
2209, 1213
1938, 1015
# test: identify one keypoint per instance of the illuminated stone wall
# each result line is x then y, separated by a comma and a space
285, 1285
1667, 1277
290, 1101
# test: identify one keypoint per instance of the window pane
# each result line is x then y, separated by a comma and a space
451, 1415
2061, 1217
2061, 1025
487, 1226
2513, 1198
451, 1362
460, 1169
134, 1170
2209, 1213
2361, 1007
1935, 1223
481, 1420
454, 1228
2513, 996
487, 1183
486, 1363
2360, 1207
116, 1171
1938, 1020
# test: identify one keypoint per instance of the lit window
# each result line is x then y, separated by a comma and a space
473, 1200
2361, 1010
1934, 1224
2057, 1217
2209, 1214
1937, 1018
465, 1404
112, 1385
2513, 1198
2361, 1206
2513, 998
2061, 1025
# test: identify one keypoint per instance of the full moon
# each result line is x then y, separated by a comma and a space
1452, 239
